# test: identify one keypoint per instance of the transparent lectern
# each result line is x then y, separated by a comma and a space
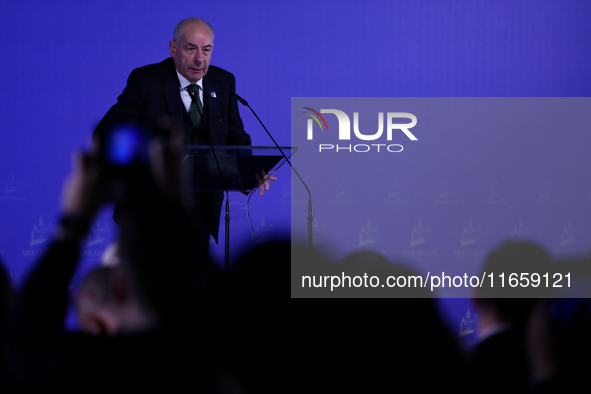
221, 168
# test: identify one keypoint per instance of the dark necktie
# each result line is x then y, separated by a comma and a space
196, 107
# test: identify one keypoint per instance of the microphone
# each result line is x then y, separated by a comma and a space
310, 206
242, 101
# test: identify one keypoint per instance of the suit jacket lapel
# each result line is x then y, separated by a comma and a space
212, 109
171, 86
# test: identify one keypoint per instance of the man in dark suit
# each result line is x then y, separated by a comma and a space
188, 93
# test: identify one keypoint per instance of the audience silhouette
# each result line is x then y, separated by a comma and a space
160, 317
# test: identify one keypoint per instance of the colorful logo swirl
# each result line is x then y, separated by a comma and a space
315, 118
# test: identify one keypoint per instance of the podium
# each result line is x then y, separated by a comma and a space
226, 168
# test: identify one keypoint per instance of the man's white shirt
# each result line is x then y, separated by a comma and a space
185, 95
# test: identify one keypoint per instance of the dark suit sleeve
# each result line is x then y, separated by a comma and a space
129, 106
236, 134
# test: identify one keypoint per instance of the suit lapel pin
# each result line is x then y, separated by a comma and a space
213, 94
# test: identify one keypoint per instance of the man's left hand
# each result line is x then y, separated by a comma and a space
265, 185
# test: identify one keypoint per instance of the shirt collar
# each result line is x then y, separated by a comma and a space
185, 82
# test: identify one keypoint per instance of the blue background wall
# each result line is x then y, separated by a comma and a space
65, 62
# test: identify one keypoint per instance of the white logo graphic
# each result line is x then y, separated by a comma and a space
368, 234
470, 234
344, 133
468, 324
544, 190
495, 190
568, 234
97, 234
10, 186
343, 189
345, 125
420, 233
393, 190
445, 190
520, 232
41, 233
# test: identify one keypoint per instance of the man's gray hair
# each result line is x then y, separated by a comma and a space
178, 30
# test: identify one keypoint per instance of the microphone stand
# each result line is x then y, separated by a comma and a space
310, 206
227, 216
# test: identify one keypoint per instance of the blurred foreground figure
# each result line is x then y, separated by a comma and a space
139, 318
7, 383
394, 342
499, 361
559, 343
256, 334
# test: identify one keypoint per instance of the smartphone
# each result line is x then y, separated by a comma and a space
125, 145
123, 151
